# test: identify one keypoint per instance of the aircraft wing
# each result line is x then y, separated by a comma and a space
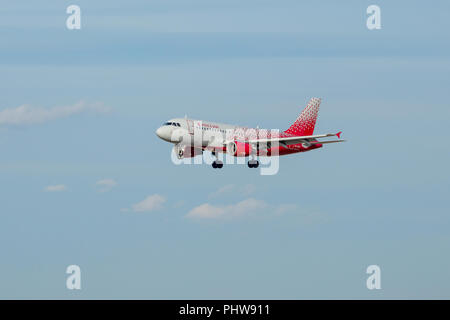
298, 139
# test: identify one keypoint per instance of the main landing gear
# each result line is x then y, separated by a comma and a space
253, 163
217, 164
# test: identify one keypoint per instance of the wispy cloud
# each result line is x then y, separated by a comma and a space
228, 188
55, 188
106, 185
248, 189
245, 190
256, 208
285, 208
151, 203
243, 208
26, 114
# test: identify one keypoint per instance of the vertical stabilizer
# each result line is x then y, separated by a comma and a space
306, 121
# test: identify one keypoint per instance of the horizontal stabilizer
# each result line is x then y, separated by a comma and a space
331, 141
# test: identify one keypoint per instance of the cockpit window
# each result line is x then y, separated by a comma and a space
176, 124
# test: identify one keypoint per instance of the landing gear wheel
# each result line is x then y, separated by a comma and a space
253, 163
217, 164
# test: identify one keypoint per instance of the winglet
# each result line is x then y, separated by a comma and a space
339, 134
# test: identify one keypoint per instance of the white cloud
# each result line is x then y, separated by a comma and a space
106, 184
248, 189
285, 208
26, 114
56, 188
151, 203
228, 188
231, 188
251, 207
243, 208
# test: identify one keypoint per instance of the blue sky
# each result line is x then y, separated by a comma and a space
95, 97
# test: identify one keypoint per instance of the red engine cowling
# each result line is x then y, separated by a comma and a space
239, 149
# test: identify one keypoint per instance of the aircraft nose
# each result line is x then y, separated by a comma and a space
164, 133
160, 132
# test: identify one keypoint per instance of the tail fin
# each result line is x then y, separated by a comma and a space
306, 121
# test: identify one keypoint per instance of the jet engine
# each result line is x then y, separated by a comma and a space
238, 149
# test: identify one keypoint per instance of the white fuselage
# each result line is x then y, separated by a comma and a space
212, 133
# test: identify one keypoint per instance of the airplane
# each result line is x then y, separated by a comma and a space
242, 141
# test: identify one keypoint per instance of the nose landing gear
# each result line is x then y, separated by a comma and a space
180, 153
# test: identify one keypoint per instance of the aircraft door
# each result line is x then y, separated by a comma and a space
190, 125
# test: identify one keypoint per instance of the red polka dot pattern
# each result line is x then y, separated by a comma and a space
306, 121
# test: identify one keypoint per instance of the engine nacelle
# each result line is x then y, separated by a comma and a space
187, 151
239, 149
